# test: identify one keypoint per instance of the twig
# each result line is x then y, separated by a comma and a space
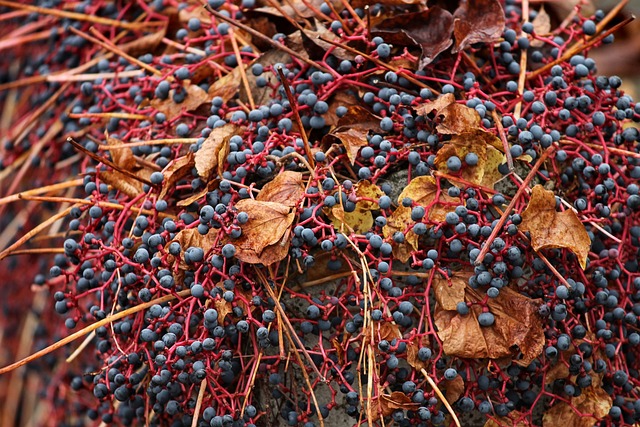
196, 410
294, 108
503, 138
82, 332
81, 16
445, 402
521, 190
243, 71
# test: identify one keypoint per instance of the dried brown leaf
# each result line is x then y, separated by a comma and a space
213, 153
362, 3
352, 130
175, 171
413, 347
121, 157
456, 118
388, 403
514, 419
429, 29
298, 9
449, 291
196, 96
223, 307
517, 328
477, 21
286, 188
454, 389
262, 95
593, 400
551, 229
541, 25
191, 237
266, 232
144, 44
122, 182
226, 86
317, 47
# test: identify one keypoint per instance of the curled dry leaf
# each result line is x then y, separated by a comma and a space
352, 130
122, 182
430, 30
226, 86
191, 237
223, 307
196, 96
517, 328
449, 291
286, 188
266, 235
551, 229
261, 95
541, 25
175, 171
593, 400
213, 153
477, 21
317, 47
514, 419
297, 9
456, 118
144, 44
454, 389
413, 346
388, 403
121, 157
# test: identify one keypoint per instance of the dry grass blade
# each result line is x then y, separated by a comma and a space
196, 410
82, 332
80, 16
41, 190
444, 400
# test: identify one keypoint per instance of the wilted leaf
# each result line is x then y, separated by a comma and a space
122, 182
121, 157
551, 229
386, 331
413, 347
317, 47
286, 188
516, 325
398, 221
226, 86
369, 190
541, 26
191, 237
262, 95
424, 191
340, 99
460, 146
449, 292
144, 44
297, 9
454, 389
477, 21
514, 419
491, 173
362, 3
214, 150
388, 403
196, 96
593, 400
175, 171
266, 233
352, 130
223, 307
456, 118
359, 221
430, 30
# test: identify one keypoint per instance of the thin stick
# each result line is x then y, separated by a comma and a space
441, 396
196, 410
296, 115
91, 328
114, 49
92, 76
503, 138
243, 71
80, 16
38, 251
108, 162
167, 141
100, 203
81, 347
505, 214
268, 40
124, 116
41, 190
34, 231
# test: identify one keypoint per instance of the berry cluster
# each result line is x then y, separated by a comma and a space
338, 215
